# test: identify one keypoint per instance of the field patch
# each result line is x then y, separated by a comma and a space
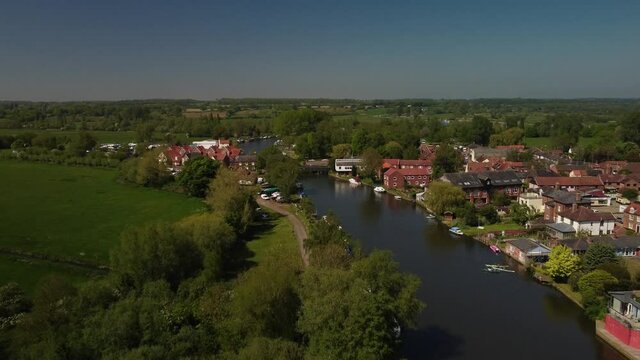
77, 212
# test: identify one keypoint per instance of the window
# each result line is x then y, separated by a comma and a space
601, 222
395, 184
395, 178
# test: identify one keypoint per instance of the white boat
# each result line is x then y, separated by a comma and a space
354, 181
430, 216
398, 197
456, 230
379, 189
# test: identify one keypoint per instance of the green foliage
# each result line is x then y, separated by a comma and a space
231, 200
155, 252
442, 196
593, 287
13, 305
447, 160
630, 127
297, 122
562, 263
510, 136
489, 214
284, 174
371, 162
598, 254
196, 175
81, 144
262, 348
146, 170
352, 314
521, 213
629, 193
340, 151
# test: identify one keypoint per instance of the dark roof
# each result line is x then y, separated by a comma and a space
565, 197
464, 180
628, 297
526, 244
562, 227
479, 179
575, 244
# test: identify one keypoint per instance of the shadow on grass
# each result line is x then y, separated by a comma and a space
240, 254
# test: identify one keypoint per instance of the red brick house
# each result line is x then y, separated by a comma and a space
618, 182
427, 151
556, 201
631, 217
400, 178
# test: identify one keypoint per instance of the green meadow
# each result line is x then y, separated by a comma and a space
77, 212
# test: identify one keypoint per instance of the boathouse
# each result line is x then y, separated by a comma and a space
526, 250
623, 317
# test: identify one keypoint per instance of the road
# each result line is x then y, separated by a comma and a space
298, 227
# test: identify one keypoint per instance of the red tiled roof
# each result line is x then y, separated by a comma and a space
568, 181
407, 172
633, 206
583, 214
402, 162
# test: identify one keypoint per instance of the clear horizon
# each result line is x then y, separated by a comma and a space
360, 50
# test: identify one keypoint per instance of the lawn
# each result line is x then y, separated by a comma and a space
28, 273
119, 137
472, 231
77, 212
276, 238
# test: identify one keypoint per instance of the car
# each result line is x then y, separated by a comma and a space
265, 197
275, 195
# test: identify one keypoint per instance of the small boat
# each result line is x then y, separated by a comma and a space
456, 230
379, 189
354, 181
430, 216
497, 268
494, 248
398, 197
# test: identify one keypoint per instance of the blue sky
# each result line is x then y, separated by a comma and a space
105, 50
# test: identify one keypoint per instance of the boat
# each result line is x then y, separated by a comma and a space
497, 268
398, 197
430, 216
456, 230
354, 181
379, 189
494, 248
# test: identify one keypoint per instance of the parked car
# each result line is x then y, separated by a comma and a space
275, 195
265, 197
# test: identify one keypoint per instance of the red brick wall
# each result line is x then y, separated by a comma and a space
628, 336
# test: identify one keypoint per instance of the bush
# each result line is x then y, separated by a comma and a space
573, 280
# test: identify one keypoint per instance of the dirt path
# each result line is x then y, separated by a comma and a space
298, 226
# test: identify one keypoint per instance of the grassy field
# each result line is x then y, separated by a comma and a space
119, 137
77, 212
276, 239
28, 273
472, 231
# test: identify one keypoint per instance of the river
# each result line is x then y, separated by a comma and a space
470, 314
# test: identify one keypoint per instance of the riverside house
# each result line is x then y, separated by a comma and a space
400, 178
480, 187
623, 317
526, 250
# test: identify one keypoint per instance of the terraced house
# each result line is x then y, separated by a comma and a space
481, 186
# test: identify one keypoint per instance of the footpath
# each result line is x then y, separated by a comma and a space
298, 227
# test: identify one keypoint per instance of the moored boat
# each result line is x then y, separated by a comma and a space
398, 197
430, 216
494, 248
456, 230
355, 181
379, 189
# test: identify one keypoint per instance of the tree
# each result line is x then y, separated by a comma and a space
155, 252
352, 314
340, 151
630, 193
629, 129
285, 175
442, 196
489, 213
510, 136
521, 213
393, 150
262, 348
359, 141
481, 130
447, 160
562, 263
196, 175
598, 254
231, 200
81, 143
371, 162
593, 287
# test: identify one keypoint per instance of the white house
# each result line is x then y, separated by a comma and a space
532, 200
585, 219
346, 165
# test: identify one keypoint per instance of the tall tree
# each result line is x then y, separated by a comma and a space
442, 196
598, 254
196, 175
562, 263
371, 162
447, 159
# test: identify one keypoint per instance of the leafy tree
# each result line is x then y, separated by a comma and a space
481, 130
269, 155
297, 122
598, 254
81, 143
359, 141
392, 150
263, 348
489, 213
630, 127
231, 200
284, 174
362, 306
340, 151
521, 213
144, 132
508, 137
196, 175
562, 263
442, 196
371, 162
155, 252
630, 193
593, 287
447, 160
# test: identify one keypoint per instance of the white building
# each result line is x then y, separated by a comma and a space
584, 219
532, 200
346, 165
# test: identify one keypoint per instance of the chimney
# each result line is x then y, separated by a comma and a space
574, 206
557, 185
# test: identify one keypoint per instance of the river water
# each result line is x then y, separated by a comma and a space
470, 314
